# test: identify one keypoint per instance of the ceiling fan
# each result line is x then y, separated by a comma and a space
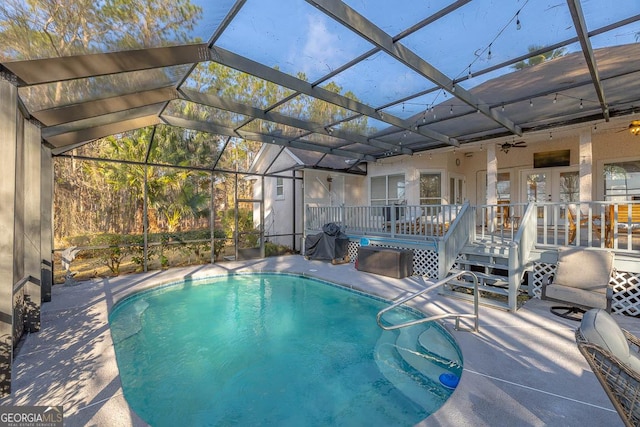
509, 145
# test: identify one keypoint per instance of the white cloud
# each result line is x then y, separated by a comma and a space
321, 50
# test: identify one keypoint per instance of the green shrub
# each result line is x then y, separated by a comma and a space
272, 249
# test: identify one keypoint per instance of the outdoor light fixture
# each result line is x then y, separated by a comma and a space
634, 127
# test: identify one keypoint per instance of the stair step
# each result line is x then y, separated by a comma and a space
413, 385
493, 250
498, 289
482, 276
480, 263
430, 363
503, 305
435, 344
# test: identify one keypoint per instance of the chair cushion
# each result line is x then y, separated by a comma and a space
599, 328
577, 296
585, 269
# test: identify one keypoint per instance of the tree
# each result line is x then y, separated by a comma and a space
540, 58
32, 29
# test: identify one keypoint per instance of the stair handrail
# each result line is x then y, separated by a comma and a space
437, 316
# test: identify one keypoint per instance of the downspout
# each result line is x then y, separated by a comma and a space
293, 185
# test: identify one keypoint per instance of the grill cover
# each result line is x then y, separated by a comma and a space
331, 244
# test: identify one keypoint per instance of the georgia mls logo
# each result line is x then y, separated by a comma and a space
31, 416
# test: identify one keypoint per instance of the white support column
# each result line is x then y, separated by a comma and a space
586, 166
492, 180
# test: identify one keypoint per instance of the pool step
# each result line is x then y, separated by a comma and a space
406, 379
428, 351
393, 369
443, 349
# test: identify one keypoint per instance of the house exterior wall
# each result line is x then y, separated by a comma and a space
412, 167
323, 188
612, 145
279, 211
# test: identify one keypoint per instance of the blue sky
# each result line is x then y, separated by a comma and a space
297, 37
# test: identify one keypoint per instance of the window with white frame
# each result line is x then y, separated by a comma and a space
622, 180
503, 186
431, 188
387, 189
279, 188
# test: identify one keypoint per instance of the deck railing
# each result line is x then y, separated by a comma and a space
600, 224
461, 231
397, 221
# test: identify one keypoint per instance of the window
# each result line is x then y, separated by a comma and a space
622, 181
570, 186
388, 189
430, 188
280, 188
503, 186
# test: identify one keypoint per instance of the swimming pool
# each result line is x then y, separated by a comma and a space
276, 349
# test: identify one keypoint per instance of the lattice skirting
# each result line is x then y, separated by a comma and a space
626, 288
425, 262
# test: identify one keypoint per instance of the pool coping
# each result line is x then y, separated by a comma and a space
521, 368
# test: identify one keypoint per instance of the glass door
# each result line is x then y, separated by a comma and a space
552, 185
456, 189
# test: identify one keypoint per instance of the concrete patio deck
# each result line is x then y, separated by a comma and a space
520, 369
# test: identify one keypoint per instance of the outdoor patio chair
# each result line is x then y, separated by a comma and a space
572, 214
628, 219
581, 281
612, 355
439, 224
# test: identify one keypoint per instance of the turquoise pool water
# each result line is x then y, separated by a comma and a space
271, 349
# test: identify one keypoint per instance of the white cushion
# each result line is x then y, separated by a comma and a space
598, 327
585, 269
577, 296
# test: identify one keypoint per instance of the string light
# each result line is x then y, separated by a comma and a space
451, 109
489, 48
530, 103
503, 107
550, 135
555, 98
581, 103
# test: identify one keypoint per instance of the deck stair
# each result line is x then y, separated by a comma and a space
490, 262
